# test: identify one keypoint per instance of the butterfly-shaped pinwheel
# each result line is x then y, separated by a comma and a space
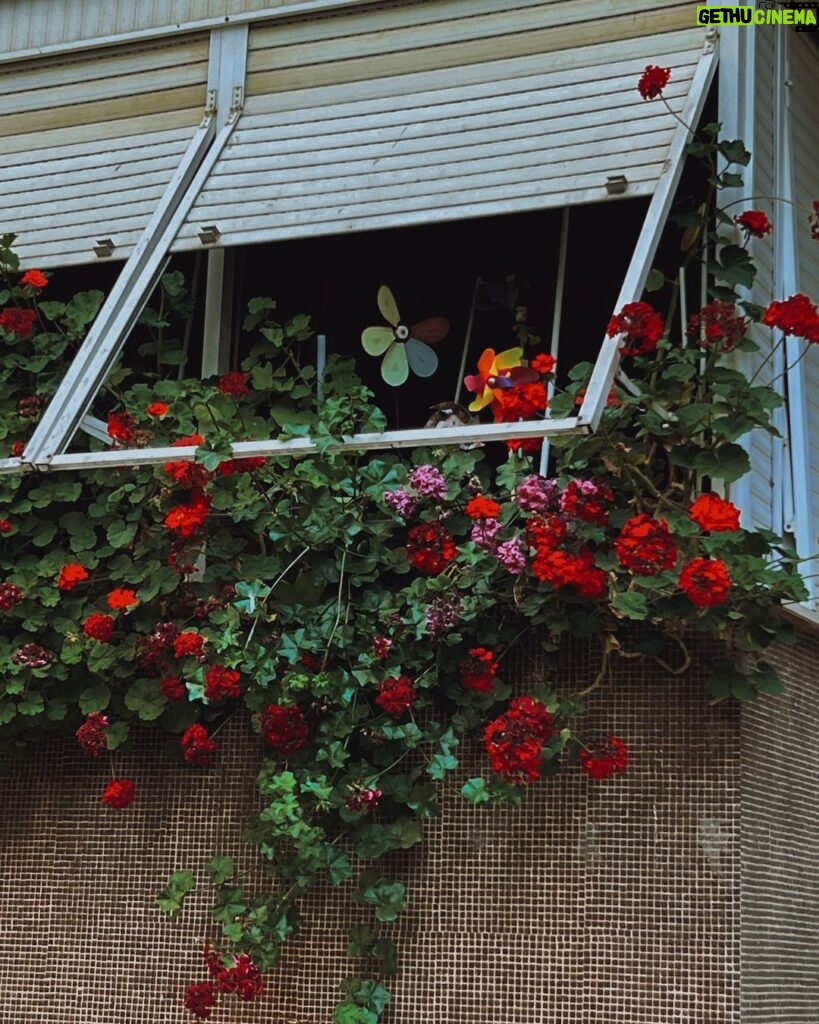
497, 372
404, 348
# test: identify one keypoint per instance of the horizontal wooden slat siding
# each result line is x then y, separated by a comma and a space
439, 35
804, 75
95, 142
499, 136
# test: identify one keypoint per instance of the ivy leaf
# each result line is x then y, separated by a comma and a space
338, 865
117, 734
361, 940
172, 898
220, 870
387, 897
347, 1013
146, 698
32, 704
475, 791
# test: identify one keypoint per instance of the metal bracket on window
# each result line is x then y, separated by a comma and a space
237, 102
616, 184
104, 248
711, 40
210, 107
209, 234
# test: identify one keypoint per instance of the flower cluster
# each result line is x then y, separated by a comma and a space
284, 729
514, 741
754, 223
197, 746
478, 670
610, 759
70, 575
641, 325
718, 325
99, 626
715, 514
222, 683
17, 322
645, 546
396, 695
119, 793
797, 316
706, 581
92, 735
653, 80
430, 547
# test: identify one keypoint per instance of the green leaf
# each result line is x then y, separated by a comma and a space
630, 605
475, 791
146, 698
172, 898
117, 734
361, 940
32, 704
94, 698
767, 679
338, 865
727, 462
120, 534
346, 1013
387, 897
220, 869
81, 310
734, 151
655, 280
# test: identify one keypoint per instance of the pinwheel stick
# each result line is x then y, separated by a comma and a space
467, 338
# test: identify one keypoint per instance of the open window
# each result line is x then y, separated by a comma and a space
406, 116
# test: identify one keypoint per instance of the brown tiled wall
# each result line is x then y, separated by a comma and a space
598, 903
780, 847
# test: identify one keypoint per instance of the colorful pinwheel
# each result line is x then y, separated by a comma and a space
404, 348
497, 372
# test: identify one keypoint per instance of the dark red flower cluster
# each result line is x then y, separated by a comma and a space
92, 736
642, 326
564, 569
515, 740
706, 581
173, 688
118, 794
30, 407
222, 683
284, 728
381, 646
363, 799
197, 746
19, 322
589, 500
99, 627
478, 671
200, 999
612, 759
754, 222
152, 649
244, 978
652, 81
10, 595
430, 547
235, 384
713, 513
718, 325
230, 467
33, 656
544, 533
396, 695
521, 402
6, 526
188, 474
645, 546
122, 427
70, 575
188, 645
186, 520
796, 315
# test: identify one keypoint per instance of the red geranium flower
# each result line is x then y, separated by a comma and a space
188, 644
230, 467
122, 427
244, 978
99, 627
234, 384
17, 449
284, 728
514, 741
10, 595
706, 581
645, 546
544, 363
797, 316
222, 684
653, 80
186, 520
6, 526
173, 688
71, 575
34, 279
482, 508
430, 547
609, 760
563, 569
92, 735
642, 326
813, 220
157, 409
589, 500
200, 999
396, 695
118, 794
710, 512
478, 671
197, 746
717, 326
122, 599
19, 322
754, 222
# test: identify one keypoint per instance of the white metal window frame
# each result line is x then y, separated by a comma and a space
67, 410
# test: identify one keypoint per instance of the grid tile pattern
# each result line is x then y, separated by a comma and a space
609, 902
